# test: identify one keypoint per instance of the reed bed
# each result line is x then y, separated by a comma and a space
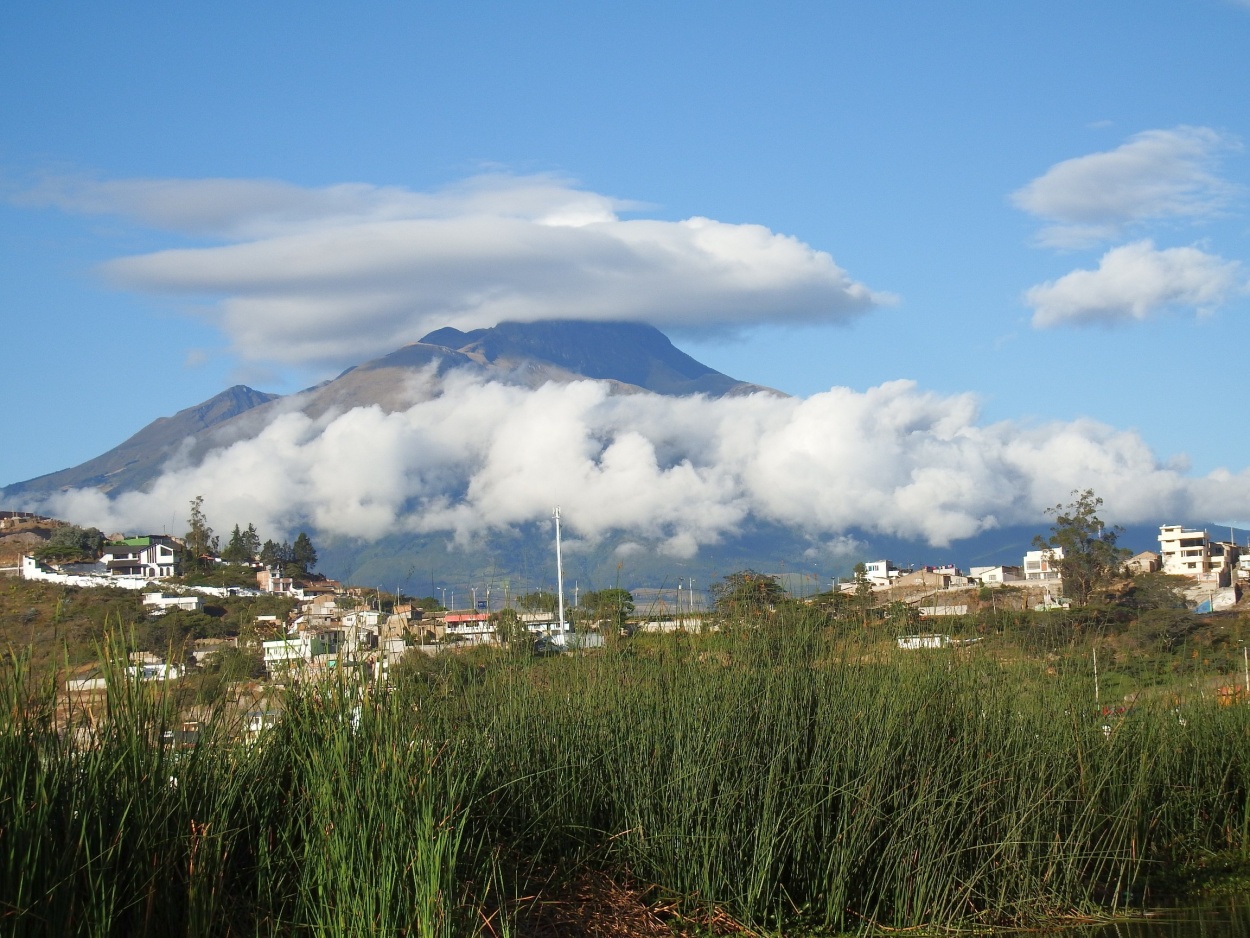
779, 776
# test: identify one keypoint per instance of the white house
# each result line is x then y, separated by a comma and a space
158, 603
997, 576
150, 556
361, 630
297, 650
1043, 564
473, 627
154, 672
881, 572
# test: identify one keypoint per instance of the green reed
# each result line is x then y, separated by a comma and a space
794, 778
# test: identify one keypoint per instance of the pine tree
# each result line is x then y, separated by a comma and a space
303, 554
251, 541
236, 550
271, 554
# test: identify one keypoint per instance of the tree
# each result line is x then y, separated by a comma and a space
236, 550
70, 542
303, 555
1090, 558
746, 592
537, 601
251, 540
271, 554
863, 586
201, 544
612, 606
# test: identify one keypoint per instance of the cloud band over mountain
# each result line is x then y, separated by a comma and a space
679, 473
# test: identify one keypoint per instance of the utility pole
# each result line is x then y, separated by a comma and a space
559, 572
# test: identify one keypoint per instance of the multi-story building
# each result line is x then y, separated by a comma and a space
881, 572
1193, 554
150, 556
1043, 564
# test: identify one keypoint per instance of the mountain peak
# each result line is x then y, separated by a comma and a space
633, 355
629, 352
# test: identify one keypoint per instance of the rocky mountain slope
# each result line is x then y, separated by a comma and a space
634, 356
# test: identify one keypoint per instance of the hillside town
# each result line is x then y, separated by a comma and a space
331, 627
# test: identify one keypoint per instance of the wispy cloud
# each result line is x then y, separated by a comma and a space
674, 474
1133, 283
1155, 175
331, 276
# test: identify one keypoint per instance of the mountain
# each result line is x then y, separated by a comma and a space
626, 352
136, 461
634, 356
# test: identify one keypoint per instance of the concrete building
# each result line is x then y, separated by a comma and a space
1042, 565
298, 650
157, 604
270, 580
1193, 554
473, 627
930, 578
881, 572
997, 576
1145, 562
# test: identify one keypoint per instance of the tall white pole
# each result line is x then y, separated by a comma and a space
559, 572
1245, 654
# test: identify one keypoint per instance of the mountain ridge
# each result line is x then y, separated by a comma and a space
139, 458
634, 357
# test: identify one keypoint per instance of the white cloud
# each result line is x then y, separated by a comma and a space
672, 474
1133, 283
335, 275
1157, 174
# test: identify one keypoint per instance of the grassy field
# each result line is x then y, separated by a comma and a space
783, 777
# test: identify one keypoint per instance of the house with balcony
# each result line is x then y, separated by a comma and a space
150, 556
1192, 553
1043, 565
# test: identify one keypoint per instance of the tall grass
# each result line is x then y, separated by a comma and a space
340, 821
778, 773
918, 788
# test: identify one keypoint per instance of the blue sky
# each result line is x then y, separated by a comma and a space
921, 147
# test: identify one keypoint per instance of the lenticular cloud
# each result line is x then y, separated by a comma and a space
679, 473
329, 277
